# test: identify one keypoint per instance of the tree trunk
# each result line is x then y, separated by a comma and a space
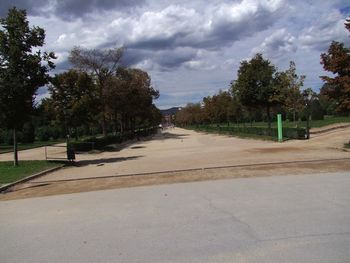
15, 150
104, 124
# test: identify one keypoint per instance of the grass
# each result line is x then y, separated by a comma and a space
347, 145
9, 173
5, 148
328, 120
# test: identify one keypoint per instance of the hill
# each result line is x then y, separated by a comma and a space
170, 111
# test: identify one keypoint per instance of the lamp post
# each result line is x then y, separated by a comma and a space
307, 99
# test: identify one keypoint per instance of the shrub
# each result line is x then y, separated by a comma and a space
28, 133
43, 133
55, 132
99, 143
7, 137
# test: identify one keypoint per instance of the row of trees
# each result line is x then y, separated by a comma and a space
260, 91
98, 92
96, 95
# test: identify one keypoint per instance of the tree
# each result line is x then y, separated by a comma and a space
293, 97
189, 115
73, 96
255, 86
218, 107
337, 61
22, 70
102, 64
129, 98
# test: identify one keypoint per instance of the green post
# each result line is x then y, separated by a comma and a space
279, 125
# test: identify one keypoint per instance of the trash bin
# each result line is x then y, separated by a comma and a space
70, 154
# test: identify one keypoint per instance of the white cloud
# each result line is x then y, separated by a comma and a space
278, 44
328, 28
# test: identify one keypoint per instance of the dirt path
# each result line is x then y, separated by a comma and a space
179, 149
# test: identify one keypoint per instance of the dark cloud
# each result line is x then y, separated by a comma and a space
133, 56
62, 66
68, 9
345, 10
78, 8
33, 7
160, 42
165, 59
168, 60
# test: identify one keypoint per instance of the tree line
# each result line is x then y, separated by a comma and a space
261, 91
97, 95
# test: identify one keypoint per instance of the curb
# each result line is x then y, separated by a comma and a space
195, 170
28, 178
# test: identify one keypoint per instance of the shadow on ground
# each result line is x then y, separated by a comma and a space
138, 147
167, 135
106, 160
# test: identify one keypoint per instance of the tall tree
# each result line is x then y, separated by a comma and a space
73, 96
22, 69
293, 97
129, 97
337, 61
102, 64
255, 86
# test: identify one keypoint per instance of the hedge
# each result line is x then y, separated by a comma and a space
91, 143
288, 133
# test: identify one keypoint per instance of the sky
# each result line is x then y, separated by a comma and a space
192, 49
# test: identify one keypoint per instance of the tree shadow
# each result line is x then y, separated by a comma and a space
168, 135
103, 161
138, 147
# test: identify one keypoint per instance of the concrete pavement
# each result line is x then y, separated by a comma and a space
270, 219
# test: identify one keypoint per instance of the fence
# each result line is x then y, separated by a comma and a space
56, 152
288, 133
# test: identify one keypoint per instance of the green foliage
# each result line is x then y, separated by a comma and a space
337, 61
28, 133
73, 98
291, 84
254, 85
258, 85
22, 70
7, 137
43, 133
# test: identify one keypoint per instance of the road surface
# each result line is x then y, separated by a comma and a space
264, 219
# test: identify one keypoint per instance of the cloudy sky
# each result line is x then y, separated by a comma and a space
192, 49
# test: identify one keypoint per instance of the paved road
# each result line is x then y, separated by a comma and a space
272, 219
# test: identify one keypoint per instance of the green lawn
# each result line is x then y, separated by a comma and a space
290, 124
9, 148
9, 173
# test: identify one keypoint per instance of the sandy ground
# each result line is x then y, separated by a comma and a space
179, 149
